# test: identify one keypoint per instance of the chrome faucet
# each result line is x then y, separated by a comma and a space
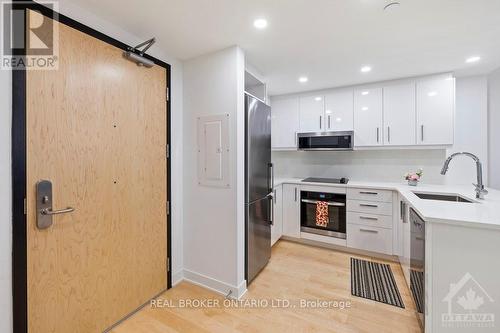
480, 190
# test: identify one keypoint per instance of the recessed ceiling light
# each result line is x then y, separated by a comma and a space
365, 69
260, 23
432, 93
317, 99
364, 108
303, 79
472, 59
364, 93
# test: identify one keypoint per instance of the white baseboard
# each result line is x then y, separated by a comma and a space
215, 285
177, 277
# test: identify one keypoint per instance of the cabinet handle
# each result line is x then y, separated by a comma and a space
368, 218
378, 130
388, 134
422, 132
369, 230
367, 205
329, 125
274, 201
295, 194
320, 124
372, 193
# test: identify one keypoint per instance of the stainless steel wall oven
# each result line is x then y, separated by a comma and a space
336, 226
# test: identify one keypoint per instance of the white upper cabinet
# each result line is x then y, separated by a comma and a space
284, 122
339, 110
399, 115
402, 113
312, 113
368, 121
435, 110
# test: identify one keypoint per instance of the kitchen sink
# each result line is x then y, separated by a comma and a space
442, 197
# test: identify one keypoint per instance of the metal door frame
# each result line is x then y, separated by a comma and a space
19, 151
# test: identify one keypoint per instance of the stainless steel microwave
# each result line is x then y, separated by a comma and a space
326, 141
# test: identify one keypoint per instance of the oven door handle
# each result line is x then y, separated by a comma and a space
330, 203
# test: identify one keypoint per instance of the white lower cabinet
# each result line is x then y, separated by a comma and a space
291, 210
370, 220
369, 223
369, 238
404, 238
369, 207
277, 226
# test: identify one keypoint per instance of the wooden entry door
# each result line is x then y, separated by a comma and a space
96, 128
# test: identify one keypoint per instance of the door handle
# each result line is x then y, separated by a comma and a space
44, 205
49, 211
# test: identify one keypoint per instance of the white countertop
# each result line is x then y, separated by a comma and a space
481, 213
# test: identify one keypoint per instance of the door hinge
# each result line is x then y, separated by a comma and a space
25, 207
168, 264
168, 94
168, 207
168, 150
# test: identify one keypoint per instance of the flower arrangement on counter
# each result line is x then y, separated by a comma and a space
414, 177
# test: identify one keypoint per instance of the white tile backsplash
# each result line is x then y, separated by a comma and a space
370, 165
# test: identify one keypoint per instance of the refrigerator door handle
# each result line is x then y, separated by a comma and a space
271, 177
271, 210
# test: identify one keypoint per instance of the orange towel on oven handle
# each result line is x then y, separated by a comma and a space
322, 213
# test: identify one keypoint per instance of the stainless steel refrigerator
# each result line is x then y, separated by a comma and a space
258, 186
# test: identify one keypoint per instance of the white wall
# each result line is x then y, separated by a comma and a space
390, 165
95, 22
494, 128
213, 217
471, 130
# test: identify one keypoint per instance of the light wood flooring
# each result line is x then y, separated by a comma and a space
295, 272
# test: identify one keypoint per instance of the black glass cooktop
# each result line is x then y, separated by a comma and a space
326, 180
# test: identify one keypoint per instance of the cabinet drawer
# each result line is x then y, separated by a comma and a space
381, 221
369, 238
370, 207
369, 194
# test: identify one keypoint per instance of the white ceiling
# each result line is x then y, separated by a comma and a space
325, 40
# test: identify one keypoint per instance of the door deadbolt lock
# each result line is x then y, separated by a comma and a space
44, 211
